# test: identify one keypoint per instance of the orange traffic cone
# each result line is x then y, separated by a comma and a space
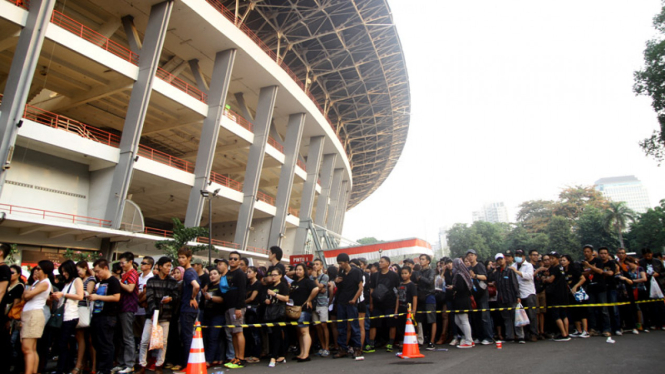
197, 359
410, 346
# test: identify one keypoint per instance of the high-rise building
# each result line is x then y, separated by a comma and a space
492, 212
628, 189
443, 241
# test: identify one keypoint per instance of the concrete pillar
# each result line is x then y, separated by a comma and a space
291, 148
326, 183
308, 192
21, 72
257, 152
136, 111
200, 79
221, 77
335, 194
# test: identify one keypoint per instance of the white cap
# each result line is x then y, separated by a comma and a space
498, 256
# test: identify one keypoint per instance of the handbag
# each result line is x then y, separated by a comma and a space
85, 314
581, 296
157, 333
473, 303
294, 311
655, 291
491, 290
274, 311
58, 317
380, 293
521, 319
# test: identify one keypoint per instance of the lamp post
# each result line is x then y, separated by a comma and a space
207, 195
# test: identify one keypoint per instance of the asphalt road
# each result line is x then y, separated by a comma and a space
630, 354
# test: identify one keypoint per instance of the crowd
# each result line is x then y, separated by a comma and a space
100, 320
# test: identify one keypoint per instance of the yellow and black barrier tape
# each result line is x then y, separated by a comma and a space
296, 323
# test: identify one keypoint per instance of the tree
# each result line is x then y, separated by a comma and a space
616, 218
573, 200
650, 81
369, 240
493, 235
561, 237
535, 214
519, 237
181, 236
648, 231
461, 238
590, 228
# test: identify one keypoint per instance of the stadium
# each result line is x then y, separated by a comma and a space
263, 120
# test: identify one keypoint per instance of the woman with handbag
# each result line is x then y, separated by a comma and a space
302, 292
575, 280
32, 318
83, 338
72, 293
277, 295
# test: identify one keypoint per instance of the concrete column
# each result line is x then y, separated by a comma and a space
221, 77
21, 72
257, 152
340, 211
308, 191
326, 183
136, 111
200, 80
335, 194
291, 148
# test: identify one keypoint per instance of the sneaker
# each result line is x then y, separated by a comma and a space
340, 354
584, 335
653, 328
389, 347
593, 332
560, 338
117, 369
369, 349
318, 353
271, 364
454, 342
521, 341
128, 369
636, 332
430, 346
358, 354
663, 328
607, 334
476, 341
465, 345
486, 342
646, 330
576, 334
325, 353
618, 333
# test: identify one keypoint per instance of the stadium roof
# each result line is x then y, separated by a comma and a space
352, 57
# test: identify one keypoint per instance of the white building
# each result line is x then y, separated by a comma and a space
492, 212
628, 189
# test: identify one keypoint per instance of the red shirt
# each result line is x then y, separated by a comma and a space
129, 301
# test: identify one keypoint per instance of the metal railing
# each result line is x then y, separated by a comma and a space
225, 181
261, 196
301, 165
47, 214
275, 144
166, 159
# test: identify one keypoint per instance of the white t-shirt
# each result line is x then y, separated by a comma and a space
71, 306
39, 300
142, 282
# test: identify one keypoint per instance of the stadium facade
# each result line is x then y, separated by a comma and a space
118, 116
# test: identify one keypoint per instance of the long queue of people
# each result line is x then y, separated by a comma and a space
100, 320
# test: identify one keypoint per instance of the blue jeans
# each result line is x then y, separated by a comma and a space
66, 349
482, 321
102, 331
599, 298
211, 335
613, 297
187, 321
347, 311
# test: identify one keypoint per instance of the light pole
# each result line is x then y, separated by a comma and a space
206, 195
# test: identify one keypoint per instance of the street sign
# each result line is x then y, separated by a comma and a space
296, 259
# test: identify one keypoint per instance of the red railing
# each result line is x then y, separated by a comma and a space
293, 211
237, 118
223, 243
265, 198
225, 181
158, 232
63, 123
256, 250
44, 214
94, 37
232, 18
25, 4
301, 165
275, 144
166, 159
181, 85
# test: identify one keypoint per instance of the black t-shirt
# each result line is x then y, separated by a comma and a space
251, 288
557, 291
107, 287
235, 297
391, 281
300, 291
211, 308
5, 276
595, 282
281, 289
405, 293
573, 275
479, 269
278, 265
12, 295
610, 281
204, 280
348, 287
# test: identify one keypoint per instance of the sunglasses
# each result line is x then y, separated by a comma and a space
14, 273
233, 259
145, 263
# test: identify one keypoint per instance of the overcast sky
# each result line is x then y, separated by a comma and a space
512, 101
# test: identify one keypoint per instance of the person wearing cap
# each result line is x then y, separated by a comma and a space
349, 283
524, 271
557, 295
481, 320
508, 296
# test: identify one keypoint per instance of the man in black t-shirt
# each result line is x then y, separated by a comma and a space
596, 289
235, 301
610, 270
349, 287
383, 284
482, 326
104, 315
557, 294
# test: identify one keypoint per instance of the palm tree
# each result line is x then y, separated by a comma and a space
616, 217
